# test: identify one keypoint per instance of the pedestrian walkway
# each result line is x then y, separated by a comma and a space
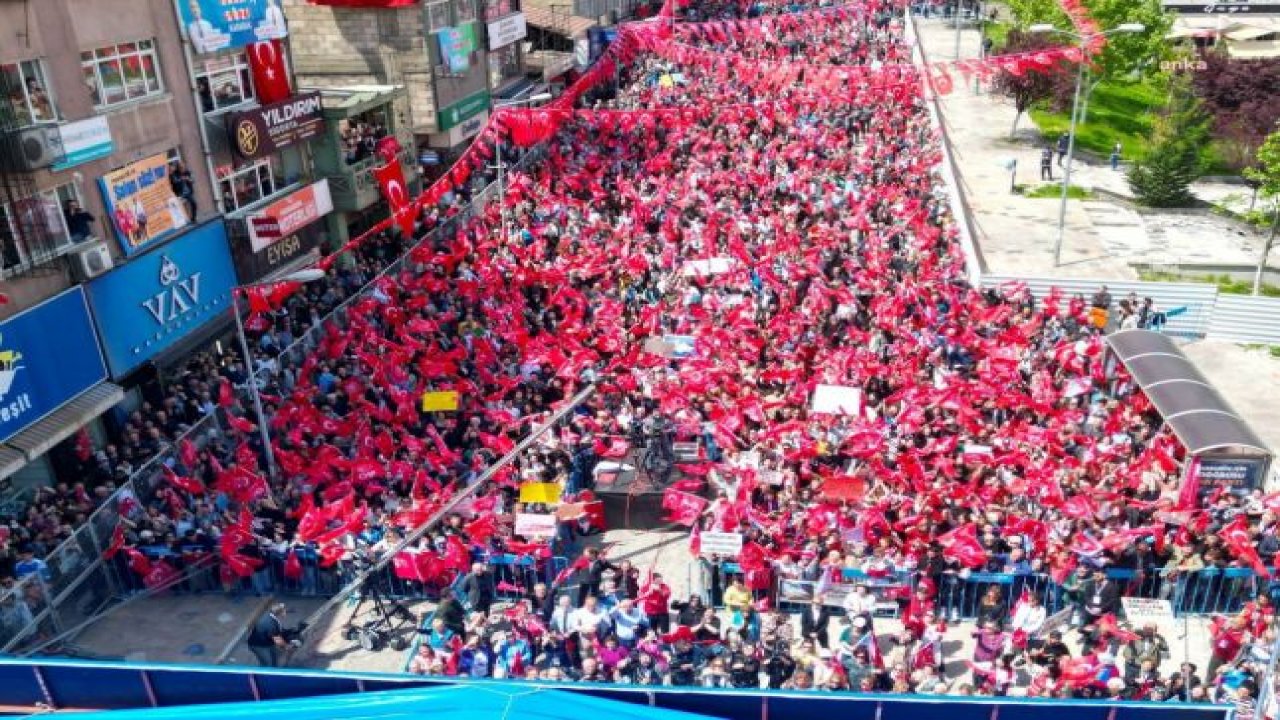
1103, 236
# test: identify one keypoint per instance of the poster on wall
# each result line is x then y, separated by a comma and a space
456, 46
214, 25
141, 203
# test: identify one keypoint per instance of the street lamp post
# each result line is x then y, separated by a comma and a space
303, 276
502, 166
1075, 116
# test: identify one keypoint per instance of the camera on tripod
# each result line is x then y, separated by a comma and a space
389, 616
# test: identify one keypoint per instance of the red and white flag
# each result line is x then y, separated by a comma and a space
270, 74
391, 181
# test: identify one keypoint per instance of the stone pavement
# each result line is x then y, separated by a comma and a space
1017, 234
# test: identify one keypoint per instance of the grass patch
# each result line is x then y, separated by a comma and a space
998, 33
1054, 191
1226, 284
1118, 112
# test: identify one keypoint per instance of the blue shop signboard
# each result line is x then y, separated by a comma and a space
151, 302
48, 356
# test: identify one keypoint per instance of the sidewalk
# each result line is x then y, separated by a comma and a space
1017, 234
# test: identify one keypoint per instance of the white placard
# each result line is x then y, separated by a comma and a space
712, 266
836, 400
722, 543
1140, 611
536, 525
506, 30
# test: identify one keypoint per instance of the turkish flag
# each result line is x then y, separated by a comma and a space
391, 180
270, 76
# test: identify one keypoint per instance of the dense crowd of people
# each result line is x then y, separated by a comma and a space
802, 238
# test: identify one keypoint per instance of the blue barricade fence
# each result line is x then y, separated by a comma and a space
512, 576
1211, 591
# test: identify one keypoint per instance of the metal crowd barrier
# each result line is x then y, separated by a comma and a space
80, 584
958, 596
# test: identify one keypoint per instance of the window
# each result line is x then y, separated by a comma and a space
224, 81
504, 65
494, 9
241, 187
34, 230
122, 73
438, 15
28, 90
465, 11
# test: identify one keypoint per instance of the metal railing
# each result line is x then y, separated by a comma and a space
79, 584
958, 596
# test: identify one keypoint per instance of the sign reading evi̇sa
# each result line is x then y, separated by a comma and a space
48, 355
154, 301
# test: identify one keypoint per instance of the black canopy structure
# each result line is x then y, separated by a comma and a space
1229, 451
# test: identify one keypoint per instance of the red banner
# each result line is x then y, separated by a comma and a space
270, 76
391, 179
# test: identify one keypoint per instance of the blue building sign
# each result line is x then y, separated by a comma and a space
48, 356
150, 303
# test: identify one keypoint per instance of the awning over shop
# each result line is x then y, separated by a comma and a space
1195, 411
11, 460
567, 25
60, 424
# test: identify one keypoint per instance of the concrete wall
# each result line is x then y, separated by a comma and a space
338, 47
57, 31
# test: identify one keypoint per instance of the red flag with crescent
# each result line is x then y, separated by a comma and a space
391, 181
270, 76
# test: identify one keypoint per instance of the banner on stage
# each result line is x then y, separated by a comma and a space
536, 525
836, 400
442, 401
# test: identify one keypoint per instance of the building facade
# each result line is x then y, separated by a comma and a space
148, 149
454, 58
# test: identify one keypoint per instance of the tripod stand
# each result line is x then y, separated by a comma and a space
389, 618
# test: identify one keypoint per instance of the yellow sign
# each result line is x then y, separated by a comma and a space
545, 493
442, 401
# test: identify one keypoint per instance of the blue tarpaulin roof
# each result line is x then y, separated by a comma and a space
452, 702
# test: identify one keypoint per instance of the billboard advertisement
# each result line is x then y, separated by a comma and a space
214, 25
141, 203
290, 214
456, 46
150, 303
48, 355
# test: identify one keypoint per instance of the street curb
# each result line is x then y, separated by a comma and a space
230, 647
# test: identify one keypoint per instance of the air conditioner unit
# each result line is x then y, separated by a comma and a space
91, 261
39, 146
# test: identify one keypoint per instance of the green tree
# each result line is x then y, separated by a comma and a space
1029, 87
1267, 176
1125, 53
1176, 157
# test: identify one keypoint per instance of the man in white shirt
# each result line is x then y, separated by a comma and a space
204, 37
273, 23
589, 616
859, 602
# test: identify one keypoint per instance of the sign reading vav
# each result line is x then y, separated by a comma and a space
152, 302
